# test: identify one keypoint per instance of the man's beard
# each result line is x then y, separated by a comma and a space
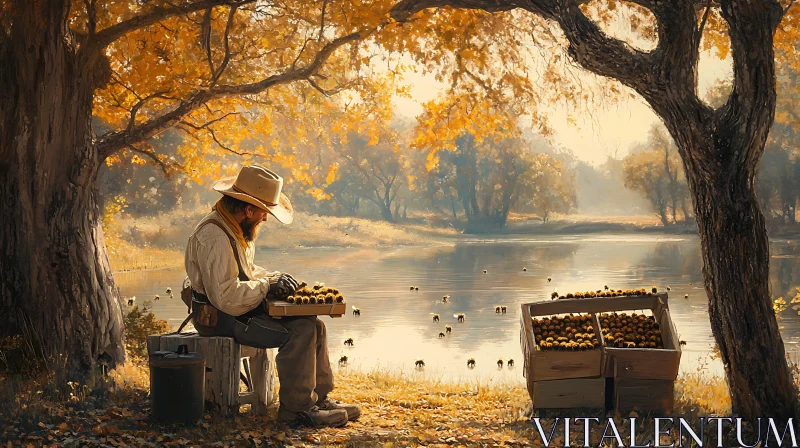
250, 229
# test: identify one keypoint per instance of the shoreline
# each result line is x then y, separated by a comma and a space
151, 246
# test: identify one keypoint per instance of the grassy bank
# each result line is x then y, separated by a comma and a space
127, 256
560, 224
159, 241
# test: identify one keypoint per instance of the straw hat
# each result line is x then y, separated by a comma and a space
261, 187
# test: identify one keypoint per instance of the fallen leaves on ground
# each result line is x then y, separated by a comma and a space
396, 411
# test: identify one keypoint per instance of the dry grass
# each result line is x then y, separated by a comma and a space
637, 220
398, 408
127, 256
315, 231
558, 218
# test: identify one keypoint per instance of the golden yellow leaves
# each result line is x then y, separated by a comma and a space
318, 194
447, 119
786, 37
332, 173
779, 305
113, 207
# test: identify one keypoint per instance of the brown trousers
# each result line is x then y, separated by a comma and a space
304, 369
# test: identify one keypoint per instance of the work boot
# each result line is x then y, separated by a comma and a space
314, 417
353, 412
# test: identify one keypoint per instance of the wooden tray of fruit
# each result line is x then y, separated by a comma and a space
317, 300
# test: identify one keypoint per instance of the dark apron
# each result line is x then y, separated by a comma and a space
254, 328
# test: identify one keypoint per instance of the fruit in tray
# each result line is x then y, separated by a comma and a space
565, 333
630, 330
642, 292
316, 294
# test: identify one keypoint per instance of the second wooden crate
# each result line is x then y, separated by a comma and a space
644, 363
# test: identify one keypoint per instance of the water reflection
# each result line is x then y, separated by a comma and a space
396, 326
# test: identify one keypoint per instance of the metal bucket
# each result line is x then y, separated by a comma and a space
177, 385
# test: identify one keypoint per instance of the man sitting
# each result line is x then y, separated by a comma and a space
229, 290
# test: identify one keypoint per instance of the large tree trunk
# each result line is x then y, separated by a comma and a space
55, 277
736, 269
733, 234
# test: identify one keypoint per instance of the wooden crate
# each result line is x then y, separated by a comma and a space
279, 308
572, 393
646, 363
539, 365
643, 395
642, 378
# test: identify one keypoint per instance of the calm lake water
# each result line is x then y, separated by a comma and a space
396, 327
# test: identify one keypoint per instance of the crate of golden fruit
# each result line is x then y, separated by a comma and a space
562, 357
316, 300
633, 353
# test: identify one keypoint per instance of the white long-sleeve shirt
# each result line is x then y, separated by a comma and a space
212, 269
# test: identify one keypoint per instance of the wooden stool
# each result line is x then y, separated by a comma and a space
226, 362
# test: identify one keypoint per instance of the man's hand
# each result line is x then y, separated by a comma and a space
282, 286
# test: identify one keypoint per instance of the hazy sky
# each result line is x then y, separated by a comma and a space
601, 131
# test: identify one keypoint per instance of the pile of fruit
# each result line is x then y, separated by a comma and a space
630, 331
607, 293
567, 333
319, 293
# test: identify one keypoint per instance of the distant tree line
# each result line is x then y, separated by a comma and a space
381, 177
654, 170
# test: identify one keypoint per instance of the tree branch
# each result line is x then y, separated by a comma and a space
165, 168
751, 28
786, 10
293, 74
205, 34
595, 51
322, 20
226, 44
703, 23
91, 17
205, 39
208, 123
113, 142
329, 92
105, 37
137, 106
300, 53
403, 10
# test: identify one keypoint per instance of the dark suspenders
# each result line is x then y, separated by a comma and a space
202, 298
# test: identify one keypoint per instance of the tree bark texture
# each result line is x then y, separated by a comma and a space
720, 149
55, 278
